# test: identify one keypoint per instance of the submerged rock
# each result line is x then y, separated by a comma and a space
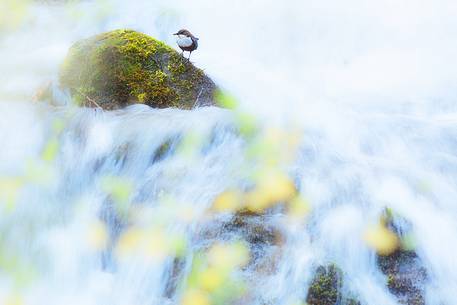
405, 271
405, 276
123, 67
325, 287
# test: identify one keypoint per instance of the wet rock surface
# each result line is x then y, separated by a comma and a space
405, 276
123, 67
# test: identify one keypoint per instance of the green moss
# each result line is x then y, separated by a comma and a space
390, 281
325, 288
123, 67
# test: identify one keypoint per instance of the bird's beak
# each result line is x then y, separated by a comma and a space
175, 34
197, 38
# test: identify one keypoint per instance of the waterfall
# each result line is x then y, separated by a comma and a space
171, 184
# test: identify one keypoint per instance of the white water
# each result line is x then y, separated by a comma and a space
371, 86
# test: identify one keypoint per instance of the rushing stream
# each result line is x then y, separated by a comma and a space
354, 103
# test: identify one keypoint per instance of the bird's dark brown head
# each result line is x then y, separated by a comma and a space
184, 32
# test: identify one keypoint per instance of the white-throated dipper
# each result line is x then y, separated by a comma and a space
186, 41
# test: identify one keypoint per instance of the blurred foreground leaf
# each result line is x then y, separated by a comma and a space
226, 100
381, 239
98, 235
195, 297
298, 208
213, 276
9, 190
120, 190
228, 201
13, 13
272, 186
14, 299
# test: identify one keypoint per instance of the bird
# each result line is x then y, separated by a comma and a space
186, 41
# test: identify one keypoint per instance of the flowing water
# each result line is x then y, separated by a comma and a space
367, 90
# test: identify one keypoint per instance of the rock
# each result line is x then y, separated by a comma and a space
325, 287
405, 276
405, 271
123, 67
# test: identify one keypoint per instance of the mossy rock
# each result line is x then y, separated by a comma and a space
405, 272
406, 276
325, 287
124, 67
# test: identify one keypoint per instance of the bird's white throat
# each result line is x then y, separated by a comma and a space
184, 41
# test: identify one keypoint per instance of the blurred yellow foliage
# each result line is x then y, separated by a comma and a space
40, 173
228, 255
119, 189
98, 236
129, 241
273, 186
381, 239
274, 147
211, 279
226, 100
58, 125
50, 150
176, 244
185, 213
213, 273
228, 201
191, 144
14, 300
195, 297
298, 207
13, 13
9, 189
408, 242
247, 124
150, 244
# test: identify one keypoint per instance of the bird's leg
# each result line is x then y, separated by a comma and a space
190, 53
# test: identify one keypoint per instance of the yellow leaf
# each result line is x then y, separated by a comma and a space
228, 201
299, 207
247, 124
13, 13
381, 239
177, 245
211, 279
225, 100
156, 246
228, 255
273, 186
9, 190
195, 297
50, 150
98, 236
150, 244
129, 241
